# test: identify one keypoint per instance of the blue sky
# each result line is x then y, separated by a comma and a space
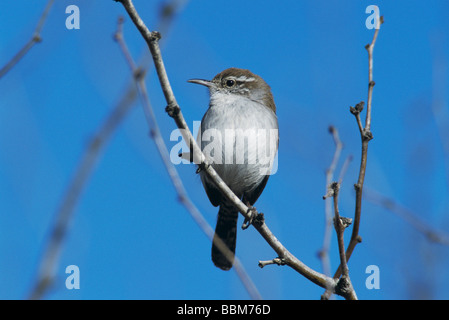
129, 236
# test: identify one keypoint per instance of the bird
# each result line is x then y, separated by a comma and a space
239, 137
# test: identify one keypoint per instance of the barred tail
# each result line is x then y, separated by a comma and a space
226, 230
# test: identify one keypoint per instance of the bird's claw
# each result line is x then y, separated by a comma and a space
253, 217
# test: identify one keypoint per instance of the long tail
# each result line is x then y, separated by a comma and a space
226, 230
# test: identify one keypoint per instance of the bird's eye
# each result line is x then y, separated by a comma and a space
230, 83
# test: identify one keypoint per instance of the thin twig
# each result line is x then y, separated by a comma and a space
344, 168
340, 227
356, 112
64, 215
408, 216
174, 111
366, 136
323, 254
155, 134
36, 38
370, 49
91, 156
277, 261
440, 100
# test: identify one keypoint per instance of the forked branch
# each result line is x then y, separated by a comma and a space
366, 136
35, 38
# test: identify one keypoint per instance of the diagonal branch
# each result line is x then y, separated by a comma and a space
36, 38
174, 111
66, 211
155, 134
408, 216
64, 215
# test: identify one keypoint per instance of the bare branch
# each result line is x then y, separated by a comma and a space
339, 228
277, 261
370, 49
340, 225
65, 212
356, 112
155, 134
439, 100
91, 156
366, 136
344, 168
174, 111
36, 38
323, 254
408, 216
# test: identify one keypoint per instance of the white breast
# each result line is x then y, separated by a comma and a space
239, 137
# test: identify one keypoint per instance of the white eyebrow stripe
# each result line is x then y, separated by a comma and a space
245, 79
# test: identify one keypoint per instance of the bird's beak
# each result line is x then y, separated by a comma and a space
206, 83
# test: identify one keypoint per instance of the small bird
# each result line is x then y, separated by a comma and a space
239, 137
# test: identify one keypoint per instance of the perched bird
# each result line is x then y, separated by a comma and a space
239, 137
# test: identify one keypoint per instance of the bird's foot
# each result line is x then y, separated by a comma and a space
254, 217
